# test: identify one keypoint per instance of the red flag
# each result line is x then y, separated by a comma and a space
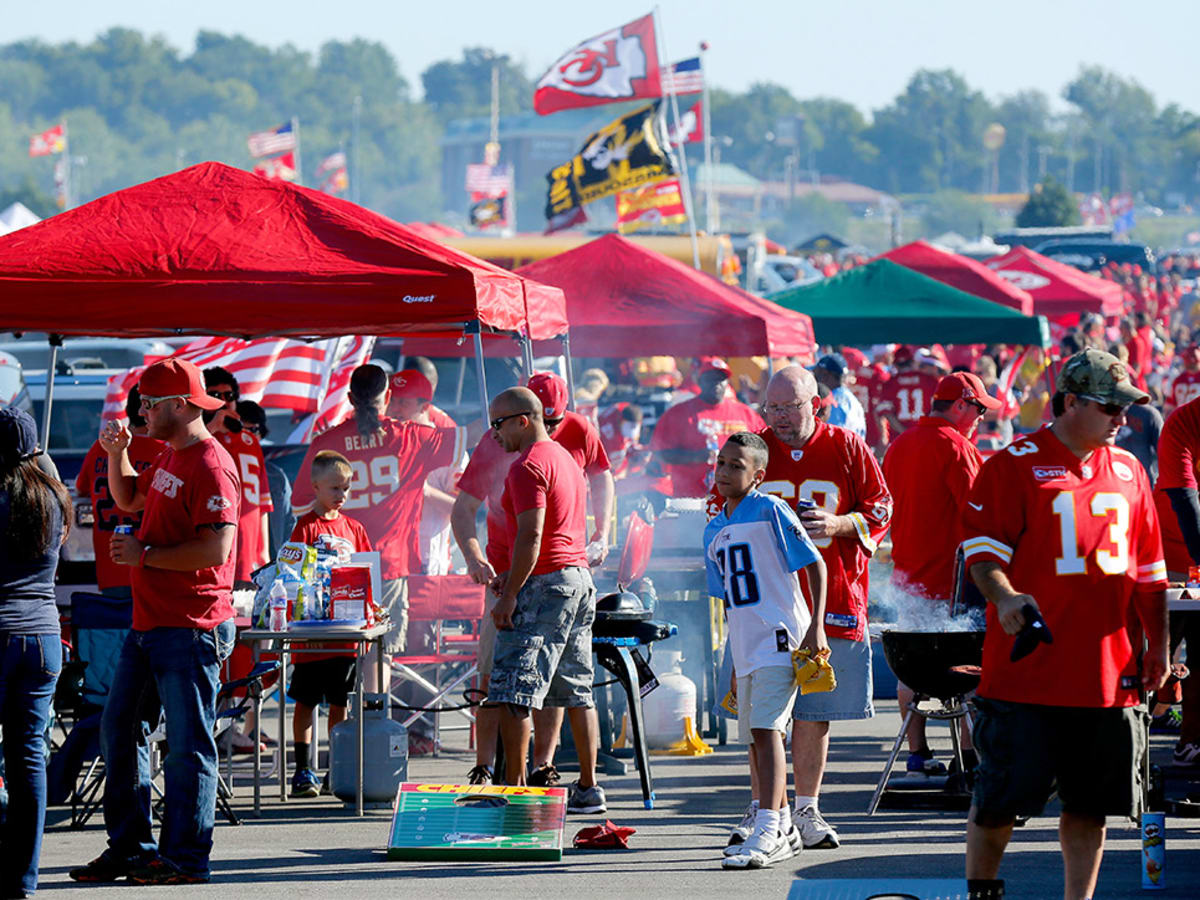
650, 206
279, 168
690, 128
52, 140
621, 64
1007, 381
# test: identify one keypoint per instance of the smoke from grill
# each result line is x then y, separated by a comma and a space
906, 610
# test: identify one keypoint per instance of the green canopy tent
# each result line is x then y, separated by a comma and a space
884, 302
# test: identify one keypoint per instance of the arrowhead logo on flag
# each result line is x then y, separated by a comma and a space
690, 128
52, 140
621, 64
278, 168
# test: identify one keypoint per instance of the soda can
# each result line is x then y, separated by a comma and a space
1154, 851
804, 504
1193, 577
123, 529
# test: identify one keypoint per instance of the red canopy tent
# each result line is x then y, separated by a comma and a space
625, 300
213, 250
1059, 291
961, 272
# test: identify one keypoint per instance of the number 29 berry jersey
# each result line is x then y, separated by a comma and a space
1081, 537
751, 559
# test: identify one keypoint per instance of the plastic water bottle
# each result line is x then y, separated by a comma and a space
279, 604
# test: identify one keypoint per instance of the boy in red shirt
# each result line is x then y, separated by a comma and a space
323, 676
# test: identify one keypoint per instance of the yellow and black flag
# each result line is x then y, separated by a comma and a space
489, 212
624, 154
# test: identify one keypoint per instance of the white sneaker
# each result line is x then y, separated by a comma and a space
741, 831
792, 835
760, 850
816, 833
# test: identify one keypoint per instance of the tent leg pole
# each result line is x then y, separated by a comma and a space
462, 377
526, 354
566, 348
483, 389
48, 404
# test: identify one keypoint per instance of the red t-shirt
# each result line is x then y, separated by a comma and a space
387, 489
185, 489
1178, 460
1029, 501
545, 476
697, 424
868, 384
484, 477
906, 396
837, 471
92, 484
1184, 388
247, 454
439, 418
929, 470
335, 534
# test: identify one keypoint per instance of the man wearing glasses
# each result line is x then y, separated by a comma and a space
182, 577
930, 469
1062, 523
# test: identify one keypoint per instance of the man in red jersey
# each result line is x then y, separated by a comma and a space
905, 397
688, 435
1061, 523
1175, 497
483, 481
543, 652
930, 470
834, 470
92, 484
1184, 387
247, 454
182, 578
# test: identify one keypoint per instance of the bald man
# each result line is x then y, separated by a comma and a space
543, 654
834, 481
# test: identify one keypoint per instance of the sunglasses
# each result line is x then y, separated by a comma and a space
227, 396
500, 420
151, 402
1109, 409
979, 407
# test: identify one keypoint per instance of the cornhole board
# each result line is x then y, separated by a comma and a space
477, 822
878, 889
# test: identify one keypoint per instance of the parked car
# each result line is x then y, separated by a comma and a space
33, 352
1093, 255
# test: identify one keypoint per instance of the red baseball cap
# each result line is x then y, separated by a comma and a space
411, 383
177, 378
552, 391
965, 386
713, 364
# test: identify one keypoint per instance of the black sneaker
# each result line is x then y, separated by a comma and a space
481, 775
544, 776
159, 871
586, 801
326, 790
101, 870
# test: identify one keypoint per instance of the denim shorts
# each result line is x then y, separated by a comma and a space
851, 699
545, 659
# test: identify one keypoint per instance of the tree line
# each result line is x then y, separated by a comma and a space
138, 108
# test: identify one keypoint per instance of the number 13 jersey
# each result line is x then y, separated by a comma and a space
751, 559
1081, 537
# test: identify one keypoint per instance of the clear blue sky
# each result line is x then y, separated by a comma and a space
860, 50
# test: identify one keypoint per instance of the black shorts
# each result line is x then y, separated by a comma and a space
329, 680
1092, 757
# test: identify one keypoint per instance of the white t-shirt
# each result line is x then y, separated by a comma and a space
752, 559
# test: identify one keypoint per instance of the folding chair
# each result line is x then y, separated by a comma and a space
441, 599
99, 625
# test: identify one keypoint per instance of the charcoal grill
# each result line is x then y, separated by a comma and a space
938, 666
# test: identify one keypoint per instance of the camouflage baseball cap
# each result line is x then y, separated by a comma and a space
1099, 376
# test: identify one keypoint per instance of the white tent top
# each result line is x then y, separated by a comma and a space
17, 216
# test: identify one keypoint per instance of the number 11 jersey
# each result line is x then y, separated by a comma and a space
751, 559
1081, 537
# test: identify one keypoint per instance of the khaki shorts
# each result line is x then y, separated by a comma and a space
765, 698
487, 636
395, 601
1092, 756
545, 659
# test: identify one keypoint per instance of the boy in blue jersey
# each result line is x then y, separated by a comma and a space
754, 549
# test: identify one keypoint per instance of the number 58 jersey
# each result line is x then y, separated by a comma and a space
751, 559
1081, 537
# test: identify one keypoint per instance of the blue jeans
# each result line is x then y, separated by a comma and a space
179, 668
29, 667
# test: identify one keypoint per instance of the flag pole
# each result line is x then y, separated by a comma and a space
296, 134
683, 166
355, 173
710, 206
66, 169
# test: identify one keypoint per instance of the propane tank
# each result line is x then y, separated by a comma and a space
665, 707
385, 753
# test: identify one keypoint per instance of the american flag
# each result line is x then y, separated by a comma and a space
264, 143
687, 76
280, 373
494, 181
331, 162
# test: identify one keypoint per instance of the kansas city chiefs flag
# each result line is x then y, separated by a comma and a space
618, 65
